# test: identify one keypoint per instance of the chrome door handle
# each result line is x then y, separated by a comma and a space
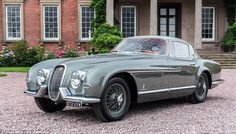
192, 64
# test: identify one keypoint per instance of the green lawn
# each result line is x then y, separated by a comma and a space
15, 69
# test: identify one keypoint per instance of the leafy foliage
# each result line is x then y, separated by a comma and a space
100, 11
106, 37
35, 55
229, 40
19, 49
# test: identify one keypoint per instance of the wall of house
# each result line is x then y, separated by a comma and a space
142, 11
33, 24
187, 18
221, 24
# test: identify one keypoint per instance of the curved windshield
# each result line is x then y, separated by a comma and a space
142, 45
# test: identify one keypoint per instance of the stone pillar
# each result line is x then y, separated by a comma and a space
110, 12
153, 17
198, 25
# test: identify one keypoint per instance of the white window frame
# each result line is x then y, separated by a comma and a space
58, 22
135, 19
213, 25
90, 35
21, 22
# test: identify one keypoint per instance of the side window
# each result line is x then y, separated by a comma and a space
179, 50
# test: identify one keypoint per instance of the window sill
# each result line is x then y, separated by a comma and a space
4, 42
83, 40
60, 42
210, 41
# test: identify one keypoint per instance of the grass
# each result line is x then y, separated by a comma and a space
15, 69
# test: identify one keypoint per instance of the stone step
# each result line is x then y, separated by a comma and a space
228, 67
225, 61
218, 56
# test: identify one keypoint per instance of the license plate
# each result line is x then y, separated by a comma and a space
74, 104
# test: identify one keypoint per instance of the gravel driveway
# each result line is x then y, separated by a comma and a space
18, 113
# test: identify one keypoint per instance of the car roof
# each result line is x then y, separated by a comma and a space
160, 37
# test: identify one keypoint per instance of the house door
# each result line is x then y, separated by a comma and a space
169, 20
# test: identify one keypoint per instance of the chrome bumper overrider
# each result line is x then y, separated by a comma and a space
41, 92
65, 95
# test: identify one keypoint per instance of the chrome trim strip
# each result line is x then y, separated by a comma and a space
164, 90
160, 70
66, 95
40, 93
217, 82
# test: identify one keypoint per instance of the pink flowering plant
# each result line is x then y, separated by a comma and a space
59, 53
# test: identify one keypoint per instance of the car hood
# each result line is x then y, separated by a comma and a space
102, 59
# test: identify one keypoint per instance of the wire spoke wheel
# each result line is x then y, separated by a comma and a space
201, 91
201, 86
115, 98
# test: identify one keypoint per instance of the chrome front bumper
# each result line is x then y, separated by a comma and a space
65, 95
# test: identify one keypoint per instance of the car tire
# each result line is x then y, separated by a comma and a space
200, 94
115, 101
48, 105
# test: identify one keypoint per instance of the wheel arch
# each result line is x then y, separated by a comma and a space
208, 74
130, 82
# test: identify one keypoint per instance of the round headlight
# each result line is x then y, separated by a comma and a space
41, 78
77, 78
75, 83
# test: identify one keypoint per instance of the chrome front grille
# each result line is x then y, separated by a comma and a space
55, 81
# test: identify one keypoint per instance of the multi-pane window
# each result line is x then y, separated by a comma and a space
128, 21
87, 15
51, 22
13, 22
208, 23
168, 26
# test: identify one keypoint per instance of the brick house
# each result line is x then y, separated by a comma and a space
54, 23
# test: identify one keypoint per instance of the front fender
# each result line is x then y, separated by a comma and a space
98, 77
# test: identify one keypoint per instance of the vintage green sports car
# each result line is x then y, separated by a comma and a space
138, 69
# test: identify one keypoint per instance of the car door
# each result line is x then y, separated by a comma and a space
150, 81
181, 80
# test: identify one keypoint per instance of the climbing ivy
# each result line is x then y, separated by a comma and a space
231, 9
100, 8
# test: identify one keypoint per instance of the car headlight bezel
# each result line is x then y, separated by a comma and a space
77, 78
42, 76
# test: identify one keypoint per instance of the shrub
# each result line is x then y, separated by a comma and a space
92, 51
106, 37
50, 56
229, 40
35, 55
18, 55
7, 58
70, 53
59, 53
19, 49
